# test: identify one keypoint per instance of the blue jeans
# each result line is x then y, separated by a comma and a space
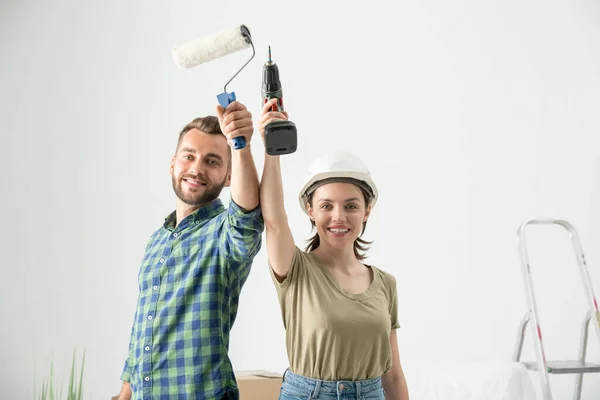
297, 387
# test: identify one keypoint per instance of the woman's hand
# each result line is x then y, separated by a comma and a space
269, 116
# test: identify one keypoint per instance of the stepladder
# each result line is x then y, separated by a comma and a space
541, 365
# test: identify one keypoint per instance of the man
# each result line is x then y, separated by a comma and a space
195, 265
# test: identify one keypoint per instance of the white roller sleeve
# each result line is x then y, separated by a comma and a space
210, 47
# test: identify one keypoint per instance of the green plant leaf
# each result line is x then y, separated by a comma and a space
48, 389
51, 380
80, 397
72, 377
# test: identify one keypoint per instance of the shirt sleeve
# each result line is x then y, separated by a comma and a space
292, 275
243, 233
128, 367
394, 305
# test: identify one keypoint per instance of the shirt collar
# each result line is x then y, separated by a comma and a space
204, 213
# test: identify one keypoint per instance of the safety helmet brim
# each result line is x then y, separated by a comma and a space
360, 179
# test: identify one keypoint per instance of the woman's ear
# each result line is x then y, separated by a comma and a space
309, 209
368, 212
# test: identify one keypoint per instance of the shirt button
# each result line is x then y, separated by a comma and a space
147, 348
147, 378
161, 260
149, 317
155, 287
175, 234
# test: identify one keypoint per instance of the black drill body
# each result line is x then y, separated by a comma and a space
271, 85
280, 136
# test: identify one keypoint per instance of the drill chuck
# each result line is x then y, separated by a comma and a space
280, 136
271, 85
271, 82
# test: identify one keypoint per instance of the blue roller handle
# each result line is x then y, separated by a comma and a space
224, 100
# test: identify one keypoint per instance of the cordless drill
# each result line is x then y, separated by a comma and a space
281, 137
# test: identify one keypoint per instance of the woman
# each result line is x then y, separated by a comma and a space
340, 314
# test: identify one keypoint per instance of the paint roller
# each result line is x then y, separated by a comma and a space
211, 47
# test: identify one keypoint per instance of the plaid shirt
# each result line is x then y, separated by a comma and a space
190, 281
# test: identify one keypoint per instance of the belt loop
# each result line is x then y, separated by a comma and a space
315, 392
284, 373
358, 391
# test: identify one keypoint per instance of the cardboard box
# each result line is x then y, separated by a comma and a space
258, 385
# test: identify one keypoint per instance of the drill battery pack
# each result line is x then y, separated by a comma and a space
281, 137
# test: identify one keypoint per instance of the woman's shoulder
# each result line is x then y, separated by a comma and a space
303, 257
387, 278
298, 252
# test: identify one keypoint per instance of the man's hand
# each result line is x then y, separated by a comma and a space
125, 392
269, 116
235, 121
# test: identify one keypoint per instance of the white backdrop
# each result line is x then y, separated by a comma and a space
473, 116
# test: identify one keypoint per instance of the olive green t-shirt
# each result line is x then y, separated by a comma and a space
332, 334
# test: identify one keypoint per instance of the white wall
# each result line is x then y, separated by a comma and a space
474, 116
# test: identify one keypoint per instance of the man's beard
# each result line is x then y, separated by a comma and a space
210, 193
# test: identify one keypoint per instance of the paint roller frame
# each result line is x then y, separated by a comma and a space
225, 98
248, 39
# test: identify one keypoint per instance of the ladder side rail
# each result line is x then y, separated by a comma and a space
535, 326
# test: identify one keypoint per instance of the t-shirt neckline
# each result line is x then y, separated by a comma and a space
360, 296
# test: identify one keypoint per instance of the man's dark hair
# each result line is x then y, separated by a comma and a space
208, 125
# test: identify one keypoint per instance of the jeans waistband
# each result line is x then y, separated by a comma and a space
331, 387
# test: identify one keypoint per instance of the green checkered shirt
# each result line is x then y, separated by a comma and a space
189, 285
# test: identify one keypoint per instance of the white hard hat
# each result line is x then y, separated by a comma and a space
338, 166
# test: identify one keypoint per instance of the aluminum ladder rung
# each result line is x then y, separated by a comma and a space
565, 367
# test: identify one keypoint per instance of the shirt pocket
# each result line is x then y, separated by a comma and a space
181, 265
290, 392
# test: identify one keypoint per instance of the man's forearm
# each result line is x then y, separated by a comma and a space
244, 178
